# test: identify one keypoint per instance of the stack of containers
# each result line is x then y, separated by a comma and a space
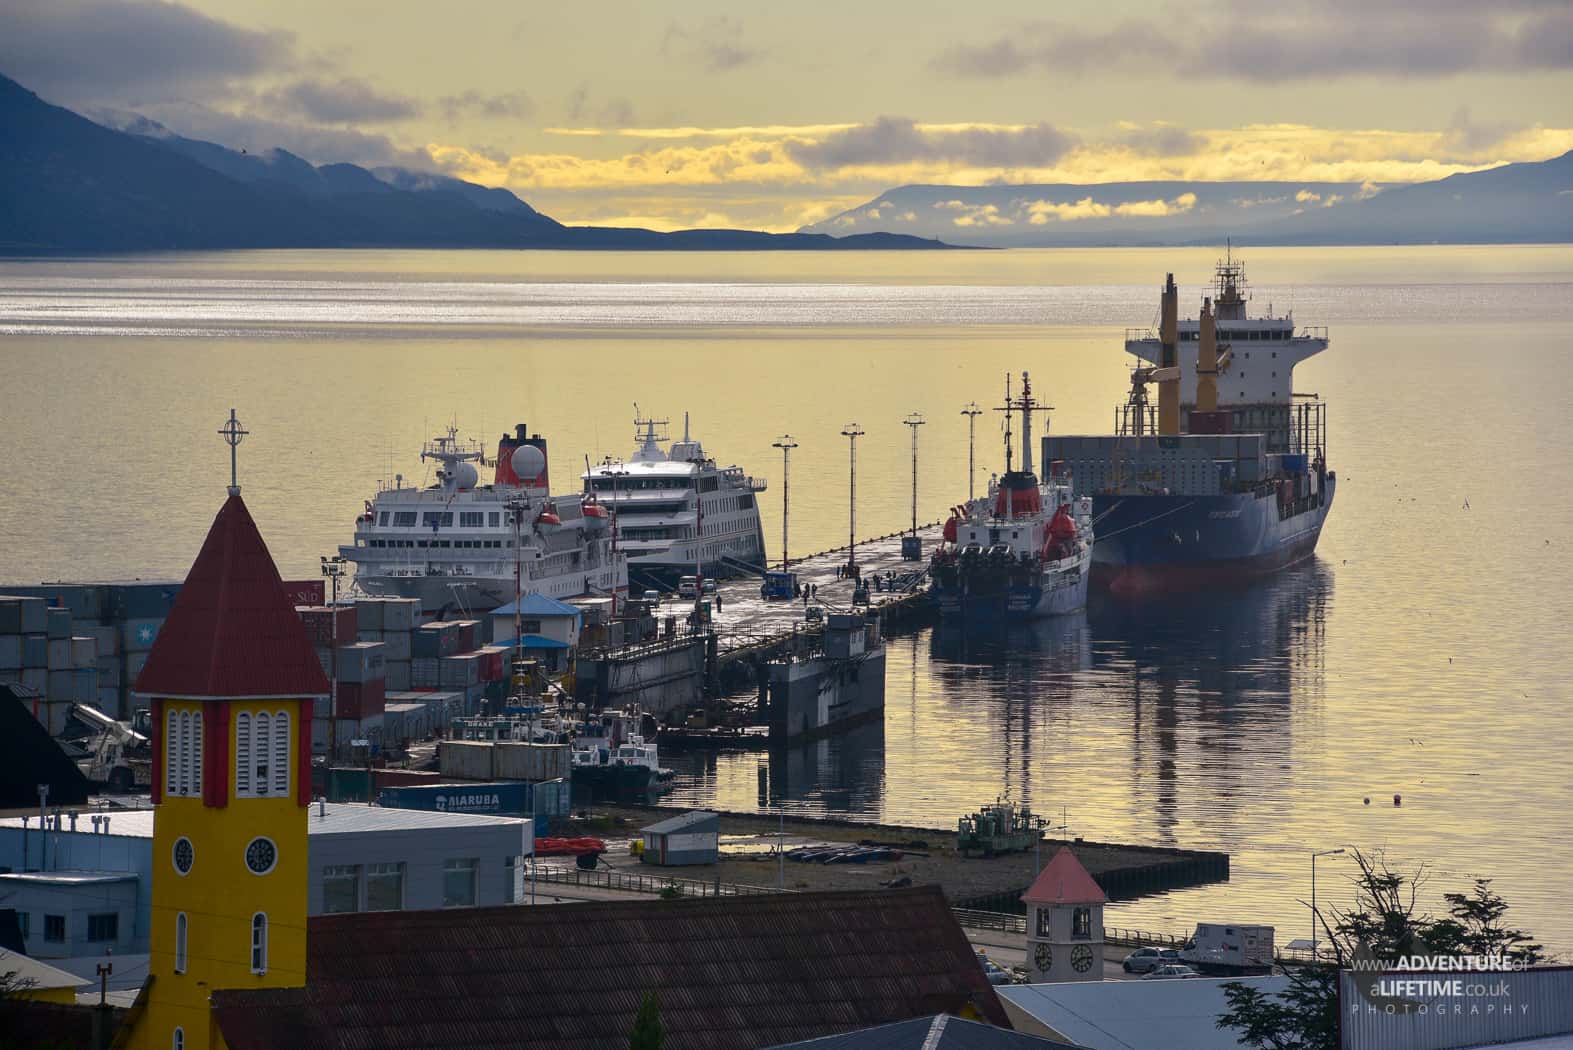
391, 621
138, 610
362, 682
24, 642
429, 644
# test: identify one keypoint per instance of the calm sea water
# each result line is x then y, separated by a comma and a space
1426, 652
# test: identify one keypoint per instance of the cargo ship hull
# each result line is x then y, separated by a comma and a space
1168, 542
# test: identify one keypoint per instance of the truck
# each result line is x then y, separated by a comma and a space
1232, 950
779, 586
118, 755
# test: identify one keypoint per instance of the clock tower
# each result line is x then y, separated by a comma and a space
1065, 922
231, 680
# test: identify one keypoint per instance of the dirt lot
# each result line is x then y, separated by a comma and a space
748, 857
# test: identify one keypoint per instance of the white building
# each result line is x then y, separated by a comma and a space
1065, 922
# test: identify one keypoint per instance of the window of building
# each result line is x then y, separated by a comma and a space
530, 626
341, 888
183, 754
458, 882
472, 519
259, 943
54, 928
180, 943
494, 519
384, 887
437, 518
382, 518
1081, 923
281, 762
104, 926
1044, 925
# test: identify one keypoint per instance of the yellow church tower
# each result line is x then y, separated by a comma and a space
232, 679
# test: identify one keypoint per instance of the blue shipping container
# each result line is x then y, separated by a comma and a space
513, 798
1296, 464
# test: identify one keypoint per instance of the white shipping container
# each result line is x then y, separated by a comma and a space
400, 614
84, 652
106, 639
360, 662
397, 673
60, 654
461, 671
466, 759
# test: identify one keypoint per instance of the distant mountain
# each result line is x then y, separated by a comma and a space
68, 184
1515, 203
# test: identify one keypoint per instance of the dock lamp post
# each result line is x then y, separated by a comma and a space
333, 571
1323, 853
786, 445
852, 432
972, 412
914, 421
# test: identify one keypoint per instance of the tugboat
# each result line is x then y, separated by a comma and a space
612, 760
1000, 827
1023, 551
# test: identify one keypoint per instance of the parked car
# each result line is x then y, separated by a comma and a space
1173, 971
653, 596
993, 971
709, 585
1146, 960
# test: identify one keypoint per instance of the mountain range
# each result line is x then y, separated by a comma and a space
70, 184
1514, 203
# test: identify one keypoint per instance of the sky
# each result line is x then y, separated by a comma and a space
772, 116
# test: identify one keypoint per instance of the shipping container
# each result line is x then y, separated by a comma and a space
10, 652
461, 671
84, 689
425, 673
36, 678
109, 701
134, 664
306, 592
502, 798
400, 614
57, 623
397, 674
361, 700
368, 613
465, 759
1295, 463
141, 601
23, 614
435, 640
467, 630
106, 638
319, 621
396, 644
61, 685
521, 760
493, 663
109, 670
35, 650
59, 654
138, 635
360, 662
84, 651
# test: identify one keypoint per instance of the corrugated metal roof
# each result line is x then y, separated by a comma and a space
729, 974
232, 631
537, 605
69, 878
941, 1032
1136, 1015
681, 821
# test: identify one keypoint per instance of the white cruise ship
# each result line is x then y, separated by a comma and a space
461, 545
678, 514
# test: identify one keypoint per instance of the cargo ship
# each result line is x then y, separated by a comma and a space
1025, 550
1227, 476
457, 544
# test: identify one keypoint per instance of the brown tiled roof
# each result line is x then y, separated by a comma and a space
729, 974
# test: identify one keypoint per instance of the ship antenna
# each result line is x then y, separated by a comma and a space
232, 433
685, 428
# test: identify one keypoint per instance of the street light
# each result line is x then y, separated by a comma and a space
852, 432
972, 412
333, 569
914, 421
786, 445
1323, 853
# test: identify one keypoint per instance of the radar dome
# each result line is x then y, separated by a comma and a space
527, 462
465, 476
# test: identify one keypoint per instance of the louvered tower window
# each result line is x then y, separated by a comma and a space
281, 753
243, 755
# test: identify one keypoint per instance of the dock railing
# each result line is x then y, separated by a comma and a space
639, 882
1007, 922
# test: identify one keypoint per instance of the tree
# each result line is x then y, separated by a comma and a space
648, 1033
1384, 923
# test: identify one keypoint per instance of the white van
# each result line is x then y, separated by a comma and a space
688, 587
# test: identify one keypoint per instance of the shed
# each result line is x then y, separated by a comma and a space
689, 838
540, 615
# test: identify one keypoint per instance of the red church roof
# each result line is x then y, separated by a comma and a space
1064, 881
232, 631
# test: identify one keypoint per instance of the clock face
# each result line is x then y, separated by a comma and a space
184, 855
1043, 955
261, 855
1081, 958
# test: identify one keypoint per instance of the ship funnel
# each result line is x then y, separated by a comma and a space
1169, 338
507, 470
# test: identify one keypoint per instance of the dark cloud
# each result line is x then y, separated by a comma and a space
347, 100
1379, 38
257, 134
896, 140
584, 108
1467, 136
131, 50
1163, 141
715, 44
473, 103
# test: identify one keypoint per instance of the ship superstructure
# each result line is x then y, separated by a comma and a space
678, 513
1227, 475
458, 544
1026, 549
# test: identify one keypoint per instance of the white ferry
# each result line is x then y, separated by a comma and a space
460, 545
678, 514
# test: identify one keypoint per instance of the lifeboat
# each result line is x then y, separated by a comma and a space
596, 516
547, 520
